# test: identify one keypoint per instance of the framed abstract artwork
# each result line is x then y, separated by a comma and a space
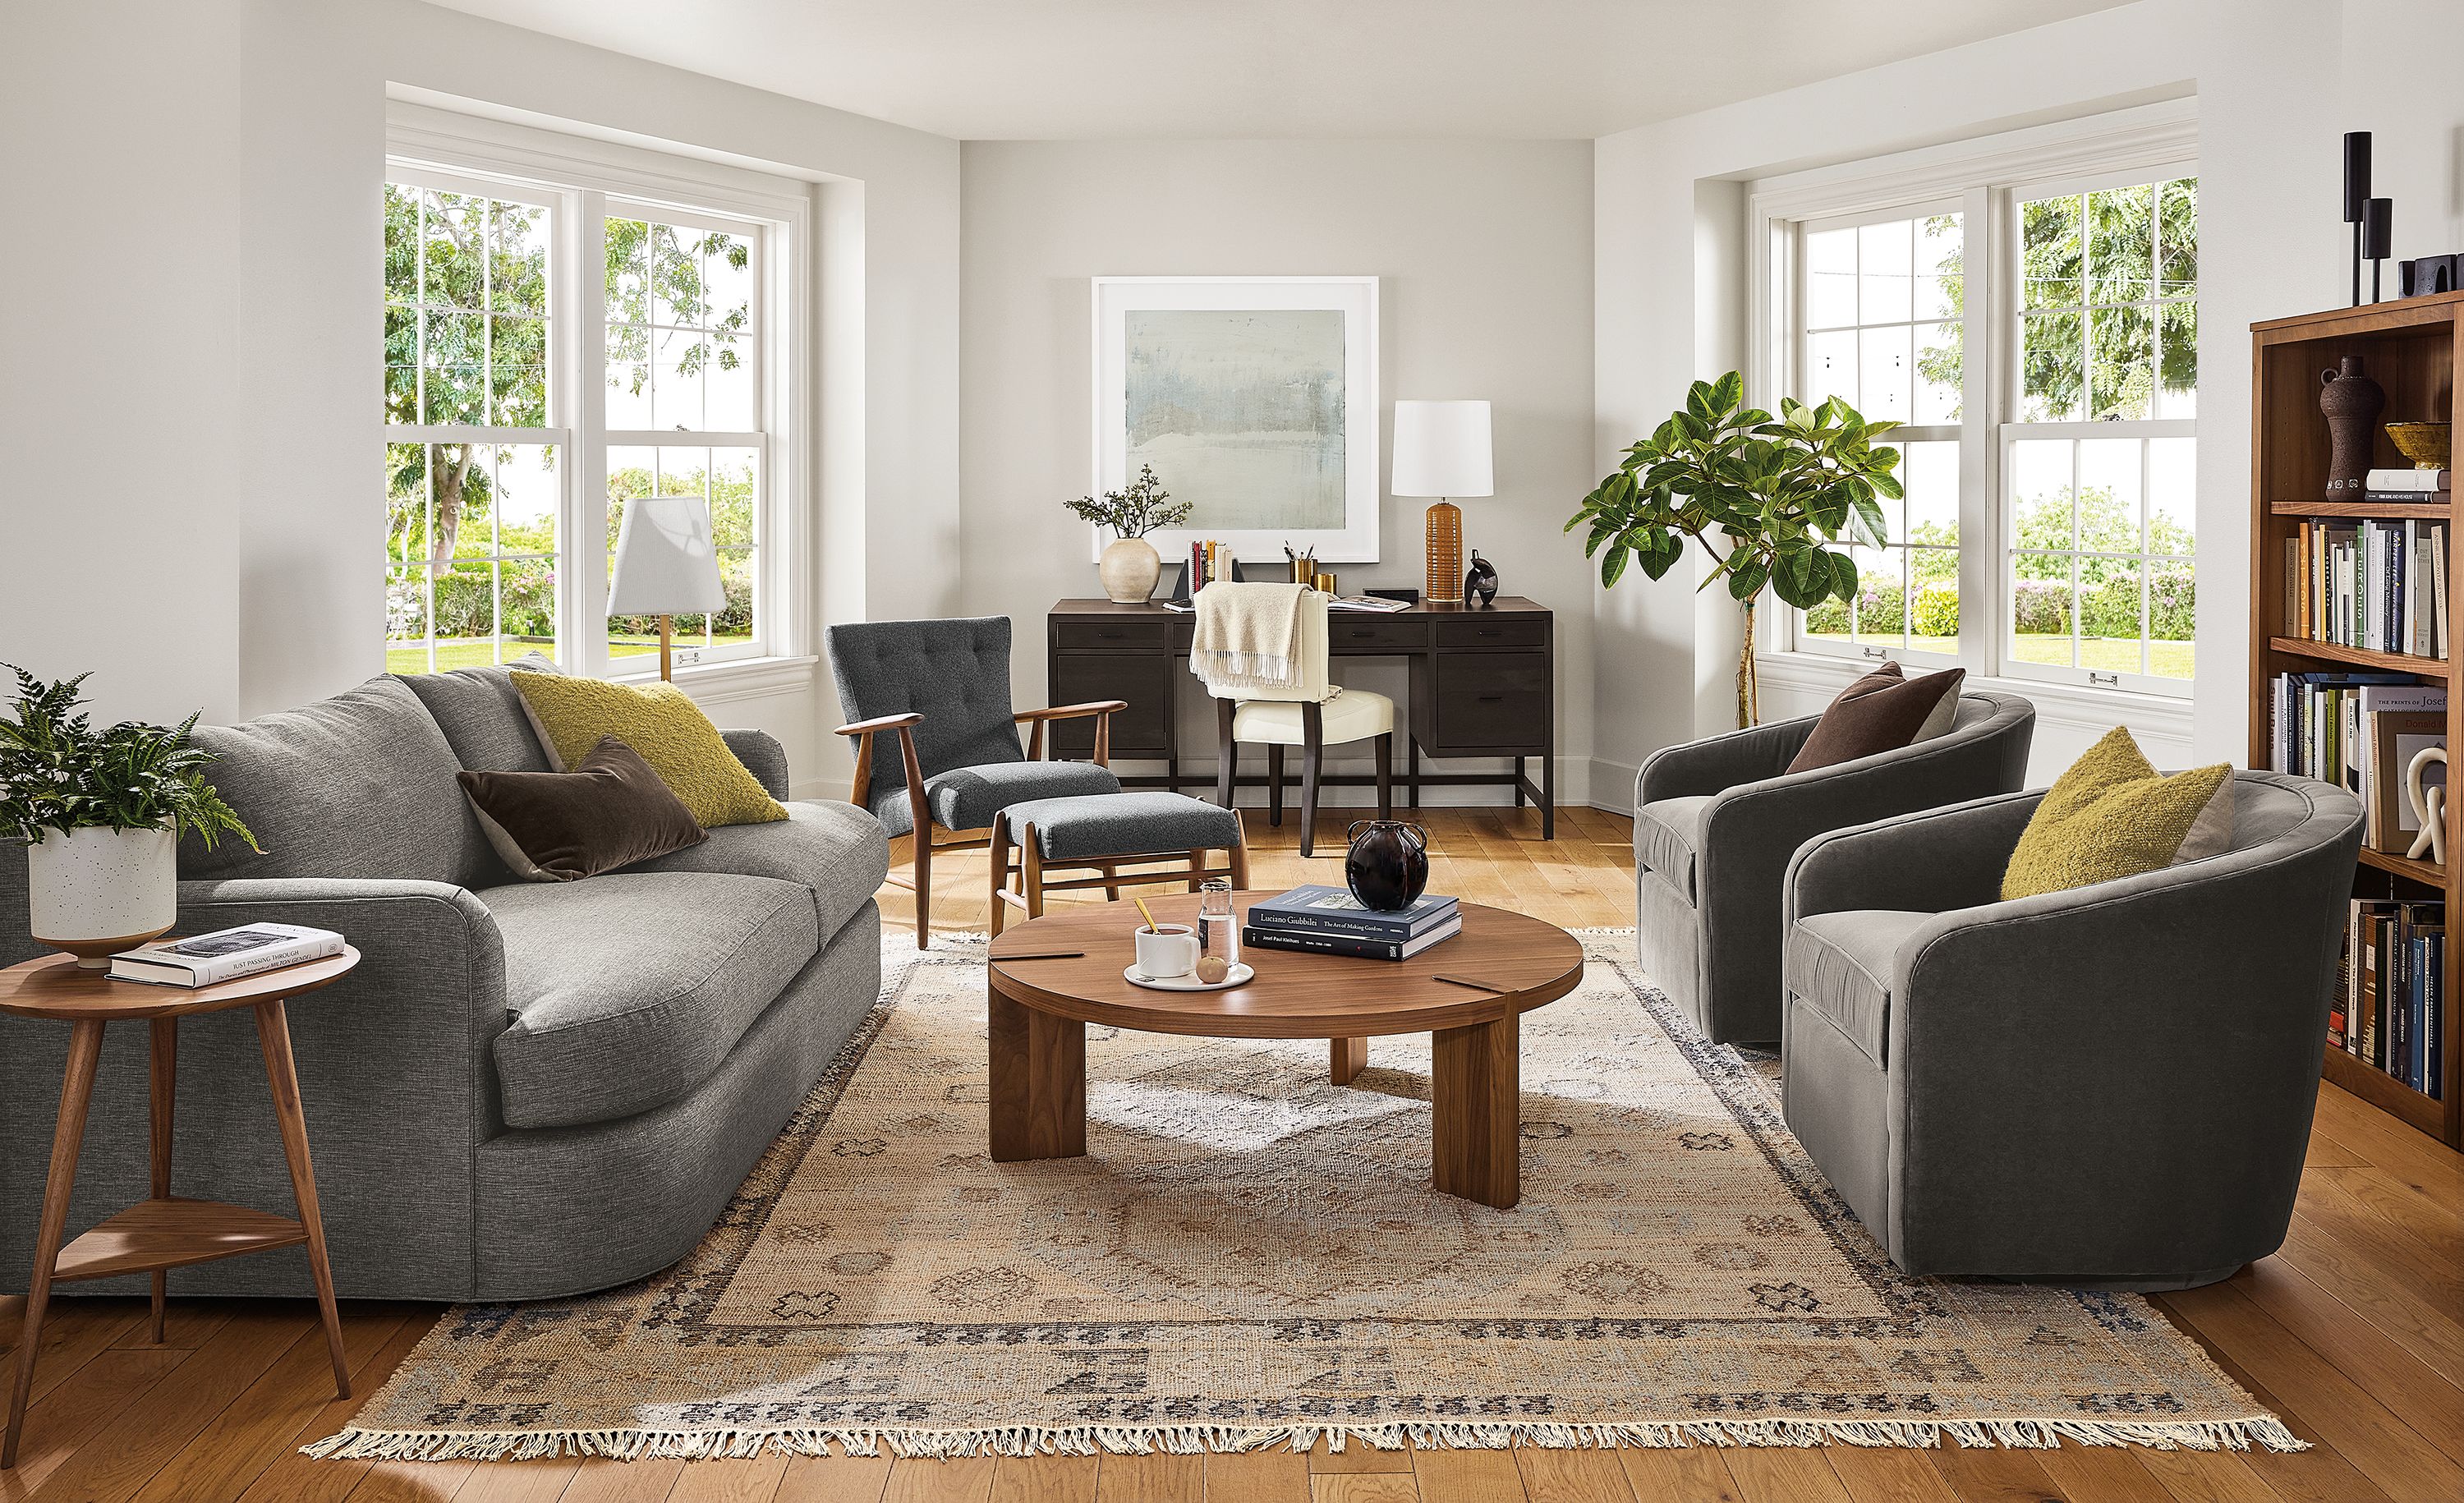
1254, 399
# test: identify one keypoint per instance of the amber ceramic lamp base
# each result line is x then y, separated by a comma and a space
1445, 554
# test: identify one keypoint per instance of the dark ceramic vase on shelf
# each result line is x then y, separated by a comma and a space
2352, 403
1480, 581
1388, 864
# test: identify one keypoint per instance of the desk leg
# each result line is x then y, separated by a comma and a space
1548, 790
273, 1037
162, 1067
1412, 768
1518, 783
1039, 1082
68, 1136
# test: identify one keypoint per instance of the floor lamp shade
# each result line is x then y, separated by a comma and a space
1441, 450
665, 564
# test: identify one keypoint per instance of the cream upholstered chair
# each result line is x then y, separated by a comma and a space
1313, 714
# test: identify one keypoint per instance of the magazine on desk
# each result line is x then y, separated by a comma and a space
209, 959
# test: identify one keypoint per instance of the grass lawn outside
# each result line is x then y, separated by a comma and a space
474, 651
2104, 654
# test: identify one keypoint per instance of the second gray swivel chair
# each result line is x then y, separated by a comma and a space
2110, 1085
943, 688
1716, 821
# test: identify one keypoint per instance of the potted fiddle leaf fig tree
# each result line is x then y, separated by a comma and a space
100, 813
1773, 501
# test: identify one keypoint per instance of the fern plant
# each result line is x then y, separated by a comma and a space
59, 772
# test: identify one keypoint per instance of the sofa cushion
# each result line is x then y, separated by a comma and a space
658, 721
628, 990
481, 715
967, 798
610, 812
358, 785
832, 850
1123, 825
1840, 964
1667, 832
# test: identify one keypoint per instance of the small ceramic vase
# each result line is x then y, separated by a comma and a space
1388, 864
2352, 403
95, 893
1129, 569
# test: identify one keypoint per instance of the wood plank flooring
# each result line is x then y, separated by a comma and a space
2354, 1332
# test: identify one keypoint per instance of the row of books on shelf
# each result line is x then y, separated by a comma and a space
2390, 991
2361, 731
1331, 921
2381, 585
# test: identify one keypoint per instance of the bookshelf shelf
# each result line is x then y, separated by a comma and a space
2414, 349
2360, 657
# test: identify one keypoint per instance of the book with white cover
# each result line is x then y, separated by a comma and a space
2405, 480
209, 959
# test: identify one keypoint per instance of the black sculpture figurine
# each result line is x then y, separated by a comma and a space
1481, 580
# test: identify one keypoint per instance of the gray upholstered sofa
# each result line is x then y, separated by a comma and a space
2109, 1086
526, 1090
1716, 821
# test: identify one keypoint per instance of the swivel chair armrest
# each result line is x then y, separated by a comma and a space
1927, 862
1716, 763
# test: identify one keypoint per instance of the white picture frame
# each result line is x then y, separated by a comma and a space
1351, 538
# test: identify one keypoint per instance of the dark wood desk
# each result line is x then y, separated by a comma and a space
1482, 684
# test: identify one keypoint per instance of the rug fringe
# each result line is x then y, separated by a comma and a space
2264, 1432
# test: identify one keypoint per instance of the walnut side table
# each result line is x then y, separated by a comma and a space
162, 1231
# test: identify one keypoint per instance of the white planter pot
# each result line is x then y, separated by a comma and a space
1129, 569
95, 893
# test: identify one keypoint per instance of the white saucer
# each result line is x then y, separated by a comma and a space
1237, 975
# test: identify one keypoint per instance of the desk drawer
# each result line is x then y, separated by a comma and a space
1358, 632
1473, 630
1144, 679
1099, 635
1487, 702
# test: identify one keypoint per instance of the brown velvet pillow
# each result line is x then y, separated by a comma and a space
610, 810
1881, 712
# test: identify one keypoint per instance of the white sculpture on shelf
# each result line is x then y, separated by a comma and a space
2429, 805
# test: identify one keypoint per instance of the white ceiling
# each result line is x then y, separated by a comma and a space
1081, 69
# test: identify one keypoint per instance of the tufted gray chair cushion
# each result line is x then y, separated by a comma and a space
955, 673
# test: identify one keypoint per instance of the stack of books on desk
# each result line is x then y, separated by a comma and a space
1331, 921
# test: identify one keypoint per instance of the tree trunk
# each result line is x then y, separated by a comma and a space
446, 481
1749, 708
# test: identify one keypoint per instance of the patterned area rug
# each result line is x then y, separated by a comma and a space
1248, 1255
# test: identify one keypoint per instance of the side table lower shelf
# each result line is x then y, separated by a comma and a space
171, 1233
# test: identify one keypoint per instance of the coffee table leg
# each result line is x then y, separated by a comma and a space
1039, 1083
77, 1090
1346, 1058
162, 1069
1477, 1083
273, 1037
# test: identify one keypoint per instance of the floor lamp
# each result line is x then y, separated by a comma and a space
666, 567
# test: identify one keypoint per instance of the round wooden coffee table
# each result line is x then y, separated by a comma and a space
162, 1231
1468, 993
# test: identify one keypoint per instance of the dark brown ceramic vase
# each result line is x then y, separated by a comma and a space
2352, 403
1388, 864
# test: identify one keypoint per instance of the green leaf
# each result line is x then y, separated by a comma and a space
1746, 578
1873, 527
1727, 395
1613, 565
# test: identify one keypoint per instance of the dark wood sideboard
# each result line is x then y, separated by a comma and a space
1482, 684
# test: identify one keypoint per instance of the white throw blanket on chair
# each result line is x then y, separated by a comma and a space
1247, 636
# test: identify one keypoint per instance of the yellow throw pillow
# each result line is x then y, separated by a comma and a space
2113, 815
669, 730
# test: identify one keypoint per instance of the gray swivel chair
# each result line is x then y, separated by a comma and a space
2110, 1086
1715, 822
943, 688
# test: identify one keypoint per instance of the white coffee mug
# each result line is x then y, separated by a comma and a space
1166, 953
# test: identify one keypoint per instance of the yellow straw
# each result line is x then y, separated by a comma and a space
1142, 908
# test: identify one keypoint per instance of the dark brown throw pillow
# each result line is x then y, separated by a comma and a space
1881, 712
610, 810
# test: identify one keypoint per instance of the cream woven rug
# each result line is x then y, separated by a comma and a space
1248, 1255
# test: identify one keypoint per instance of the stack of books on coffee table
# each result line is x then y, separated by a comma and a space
1331, 921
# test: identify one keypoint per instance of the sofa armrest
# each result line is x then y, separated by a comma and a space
1717, 764
763, 757
1926, 862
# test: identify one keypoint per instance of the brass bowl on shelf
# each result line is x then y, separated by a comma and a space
2424, 444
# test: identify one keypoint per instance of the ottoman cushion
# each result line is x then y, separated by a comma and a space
1122, 824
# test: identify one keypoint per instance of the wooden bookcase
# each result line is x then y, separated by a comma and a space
2414, 349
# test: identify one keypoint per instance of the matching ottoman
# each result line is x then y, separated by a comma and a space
1104, 832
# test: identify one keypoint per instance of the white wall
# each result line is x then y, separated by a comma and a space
192, 353
1485, 249
2277, 82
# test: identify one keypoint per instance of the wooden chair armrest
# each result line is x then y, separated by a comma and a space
882, 722
860, 791
1072, 711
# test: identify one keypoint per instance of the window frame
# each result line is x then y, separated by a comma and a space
1987, 179
587, 181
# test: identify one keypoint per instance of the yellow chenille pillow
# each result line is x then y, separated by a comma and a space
667, 730
2113, 815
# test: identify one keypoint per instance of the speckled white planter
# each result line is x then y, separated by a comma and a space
95, 893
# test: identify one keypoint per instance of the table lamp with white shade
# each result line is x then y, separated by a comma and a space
1441, 450
666, 565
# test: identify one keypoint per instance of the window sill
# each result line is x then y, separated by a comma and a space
734, 679
2076, 704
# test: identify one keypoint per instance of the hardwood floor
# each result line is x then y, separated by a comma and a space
2354, 1332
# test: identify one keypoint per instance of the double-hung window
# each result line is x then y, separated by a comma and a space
2029, 319
565, 333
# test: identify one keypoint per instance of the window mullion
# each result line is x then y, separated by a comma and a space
1982, 610
584, 546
